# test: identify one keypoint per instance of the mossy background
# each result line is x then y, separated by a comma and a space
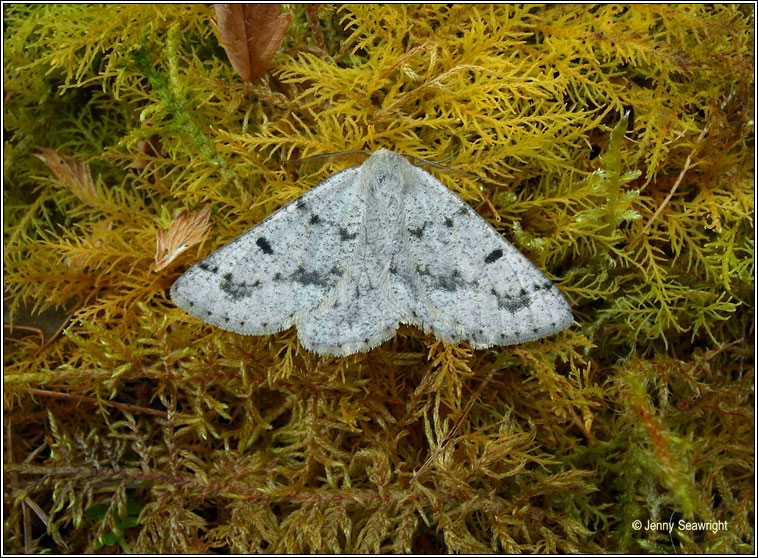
142, 429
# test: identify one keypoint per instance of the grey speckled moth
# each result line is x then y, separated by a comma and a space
370, 248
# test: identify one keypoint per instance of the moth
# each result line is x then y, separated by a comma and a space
368, 249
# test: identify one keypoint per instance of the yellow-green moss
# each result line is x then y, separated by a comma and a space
642, 410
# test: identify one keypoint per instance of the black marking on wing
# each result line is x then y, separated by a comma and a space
466, 210
264, 245
315, 219
235, 290
345, 235
448, 222
493, 256
450, 283
512, 303
419, 232
309, 277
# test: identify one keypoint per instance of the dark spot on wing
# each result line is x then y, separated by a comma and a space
335, 271
546, 286
452, 282
511, 303
448, 222
235, 290
206, 267
315, 219
191, 303
493, 256
308, 277
345, 235
418, 232
301, 204
264, 245
277, 276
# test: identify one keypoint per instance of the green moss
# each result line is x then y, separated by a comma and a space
641, 411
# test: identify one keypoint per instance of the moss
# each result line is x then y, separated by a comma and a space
641, 411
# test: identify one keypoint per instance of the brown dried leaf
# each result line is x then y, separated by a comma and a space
147, 150
250, 35
186, 231
70, 173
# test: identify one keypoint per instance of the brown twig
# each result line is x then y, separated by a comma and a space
670, 195
491, 207
93, 401
448, 438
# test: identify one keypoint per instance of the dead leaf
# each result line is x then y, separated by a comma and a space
147, 151
70, 173
250, 35
186, 231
